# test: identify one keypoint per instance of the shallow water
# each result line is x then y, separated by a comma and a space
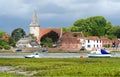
54, 55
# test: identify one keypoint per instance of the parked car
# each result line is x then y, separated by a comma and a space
34, 55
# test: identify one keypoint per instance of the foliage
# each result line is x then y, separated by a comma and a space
11, 42
3, 42
18, 33
65, 29
108, 28
32, 36
7, 47
2, 33
66, 67
47, 42
1, 47
107, 45
94, 26
116, 31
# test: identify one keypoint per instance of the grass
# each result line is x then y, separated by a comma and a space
10, 75
68, 67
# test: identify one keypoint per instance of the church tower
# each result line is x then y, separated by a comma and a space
34, 26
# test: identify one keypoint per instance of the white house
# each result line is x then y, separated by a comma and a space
26, 42
92, 42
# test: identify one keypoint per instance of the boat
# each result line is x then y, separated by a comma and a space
101, 53
34, 55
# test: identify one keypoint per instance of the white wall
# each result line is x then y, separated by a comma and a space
35, 31
93, 44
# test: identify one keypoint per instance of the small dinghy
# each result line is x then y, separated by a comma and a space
99, 54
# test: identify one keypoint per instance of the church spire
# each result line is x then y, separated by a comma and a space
35, 21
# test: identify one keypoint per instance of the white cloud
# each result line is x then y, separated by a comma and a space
82, 7
64, 9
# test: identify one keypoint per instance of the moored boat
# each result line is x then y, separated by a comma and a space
101, 53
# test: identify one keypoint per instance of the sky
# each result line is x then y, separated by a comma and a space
54, 13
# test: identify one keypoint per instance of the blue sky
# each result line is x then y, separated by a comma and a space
55, 13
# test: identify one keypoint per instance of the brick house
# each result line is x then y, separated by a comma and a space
69, 42
106, 41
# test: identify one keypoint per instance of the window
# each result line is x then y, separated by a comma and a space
97, 41
88, 46
97, 45
88, 41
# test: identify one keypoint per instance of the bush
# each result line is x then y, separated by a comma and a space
1, 47
6, 47
107, 45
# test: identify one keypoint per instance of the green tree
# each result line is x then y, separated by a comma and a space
108, 28
47, 42
2, 33
11, 42
94, 26
65, 29
18, 33
3, 42
32, 36
116, 31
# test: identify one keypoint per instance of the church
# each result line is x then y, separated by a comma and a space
39, 33
65, 40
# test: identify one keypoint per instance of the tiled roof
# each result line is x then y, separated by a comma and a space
105, 39
70, 40
92, 38
44, 31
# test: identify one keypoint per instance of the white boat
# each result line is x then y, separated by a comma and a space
35, 55
99, 53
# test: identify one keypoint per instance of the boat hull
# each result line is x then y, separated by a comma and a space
99, 55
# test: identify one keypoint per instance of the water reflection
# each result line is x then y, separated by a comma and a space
115, 54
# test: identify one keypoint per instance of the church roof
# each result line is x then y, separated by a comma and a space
35, 21
44, 31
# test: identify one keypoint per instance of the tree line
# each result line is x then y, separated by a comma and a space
7, 41
95, 26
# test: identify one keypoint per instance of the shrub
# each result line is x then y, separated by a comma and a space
107, 45
1, 47
7, 47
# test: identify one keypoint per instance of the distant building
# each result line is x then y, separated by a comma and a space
115, 43
106, 41
93, 42
40, 33
70, 42
27, 42
66, 40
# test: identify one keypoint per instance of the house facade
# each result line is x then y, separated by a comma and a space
93, 43
106, 42
69, 42
27, 42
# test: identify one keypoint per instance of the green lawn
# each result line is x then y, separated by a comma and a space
68, 67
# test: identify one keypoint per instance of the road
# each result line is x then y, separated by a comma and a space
43, 55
